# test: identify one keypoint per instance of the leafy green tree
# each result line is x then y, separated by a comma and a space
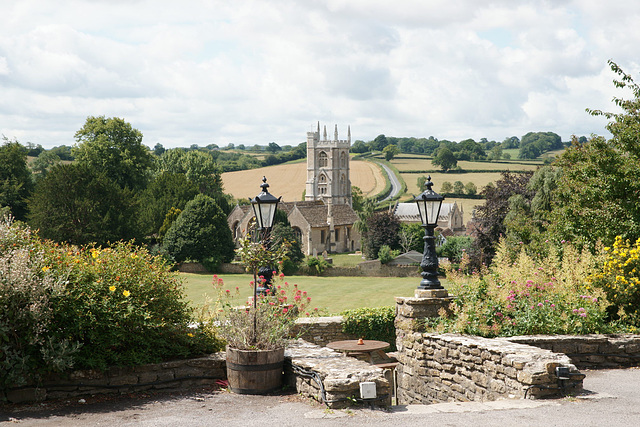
357, 198
535, 143
168, 190
446, 187
445, 159
496, 152
200, 233
113, 147
15, 178
458, 187
273, 147
281, 233
470, 189
598, 193
411, 237
75, 203
379, 143
455, 247
359, 147
382, 229
158, 149
200, 168
43, 163
390, 151
511, 142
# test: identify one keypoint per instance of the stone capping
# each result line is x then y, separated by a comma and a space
590, 351
451, 367
340, 376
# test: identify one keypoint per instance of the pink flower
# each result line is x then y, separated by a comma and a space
228, 291
583, 314
281, 275
553, 305
540, 304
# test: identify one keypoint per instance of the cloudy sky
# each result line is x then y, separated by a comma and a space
255, 71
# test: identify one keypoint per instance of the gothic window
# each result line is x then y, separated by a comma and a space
322, 179
322, 236
322, 160
337, 239
343, 185
343, 160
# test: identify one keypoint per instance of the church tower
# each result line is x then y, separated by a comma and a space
328, 167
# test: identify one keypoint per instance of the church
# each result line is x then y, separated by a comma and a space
324, 220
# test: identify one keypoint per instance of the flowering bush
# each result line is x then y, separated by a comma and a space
620, 280
265, 325
63, 306
526, 295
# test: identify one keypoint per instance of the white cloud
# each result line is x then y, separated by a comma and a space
255, 71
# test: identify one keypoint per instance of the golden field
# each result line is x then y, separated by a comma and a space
480, 179
424, 163
288, 180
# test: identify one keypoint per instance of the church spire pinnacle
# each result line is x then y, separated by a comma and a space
349, 134
324, 134
335, 134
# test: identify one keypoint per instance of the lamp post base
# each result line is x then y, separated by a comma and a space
431, 293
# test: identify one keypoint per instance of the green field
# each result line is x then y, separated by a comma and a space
330, 294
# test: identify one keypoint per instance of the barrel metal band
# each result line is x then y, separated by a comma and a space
267, 367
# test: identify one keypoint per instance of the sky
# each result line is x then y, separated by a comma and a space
258, 71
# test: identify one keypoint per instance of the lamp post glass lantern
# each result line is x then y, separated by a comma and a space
429, 203
264, 208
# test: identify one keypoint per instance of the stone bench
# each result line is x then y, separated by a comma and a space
329, 377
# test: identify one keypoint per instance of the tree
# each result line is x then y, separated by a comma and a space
15, 178
273, 147
111, 146
200, 168
470, 189
43, 163
379, 143
446, 187
535, 143
75, 203
158, 149
357, 198
382, 229
445, 159
598, 193
390, 151
411, 237
458, 187
200, 233
283, 232
511, 142
168, 190
359, 147
496, 152
455, 247
489, 217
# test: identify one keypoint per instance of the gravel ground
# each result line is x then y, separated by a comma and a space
613, 399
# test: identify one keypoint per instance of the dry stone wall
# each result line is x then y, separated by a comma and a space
449, 367
590, 351
321, 330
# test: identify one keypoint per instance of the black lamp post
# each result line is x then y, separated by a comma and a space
429, 203
264, 208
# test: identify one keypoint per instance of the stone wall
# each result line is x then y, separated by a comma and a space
590, 351
329, 377
321, 330
449, 367
174, 375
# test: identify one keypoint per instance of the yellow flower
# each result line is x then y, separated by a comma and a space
95, 253
134, 256
112, 288
126, 293
190, 334
46, 268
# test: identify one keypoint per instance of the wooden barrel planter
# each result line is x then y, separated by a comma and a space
254, 371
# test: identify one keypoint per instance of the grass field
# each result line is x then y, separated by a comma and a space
330, 294
288, 180
424, 163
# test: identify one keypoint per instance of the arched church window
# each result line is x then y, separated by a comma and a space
343, 160
322, 179
323, 161
343, 184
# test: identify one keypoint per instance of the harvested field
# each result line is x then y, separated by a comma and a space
424, 163
288, 180
480, 179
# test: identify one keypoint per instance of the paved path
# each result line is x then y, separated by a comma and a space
395, 182
614, 401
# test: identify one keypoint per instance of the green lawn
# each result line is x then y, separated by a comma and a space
333, 294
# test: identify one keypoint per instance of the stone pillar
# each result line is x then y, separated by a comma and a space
409, 322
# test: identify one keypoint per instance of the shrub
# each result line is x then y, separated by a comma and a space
620, 279
371, 323
200, 233
316, 265
527, 295
385, 254
63, 306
